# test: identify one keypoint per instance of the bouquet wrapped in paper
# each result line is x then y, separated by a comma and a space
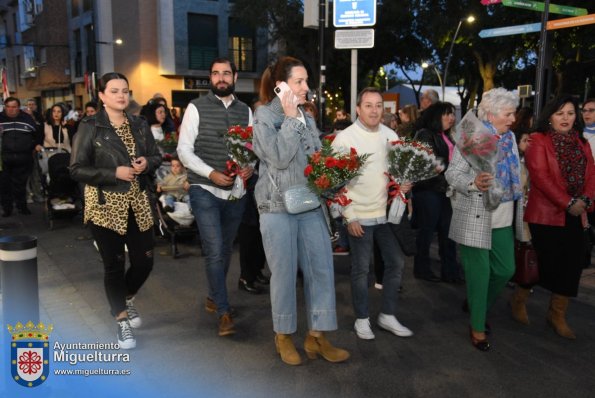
408, 161
329, 171
239, 144
479, 147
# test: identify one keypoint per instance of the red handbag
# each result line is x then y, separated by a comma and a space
527, 271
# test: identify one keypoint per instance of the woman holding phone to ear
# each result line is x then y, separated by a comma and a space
284, 135
113, 154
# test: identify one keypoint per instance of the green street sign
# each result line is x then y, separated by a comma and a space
539, 6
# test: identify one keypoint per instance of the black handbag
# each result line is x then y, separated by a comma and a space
406, 236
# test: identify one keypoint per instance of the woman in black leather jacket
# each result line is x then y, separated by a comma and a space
114, 154
432, 210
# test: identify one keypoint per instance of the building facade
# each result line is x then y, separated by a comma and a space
53, 50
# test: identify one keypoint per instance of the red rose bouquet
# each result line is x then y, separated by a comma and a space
329, 171
239, 144
479, 146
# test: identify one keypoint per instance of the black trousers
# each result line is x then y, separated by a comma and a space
560, 255
252, 257
16, 169
120, 282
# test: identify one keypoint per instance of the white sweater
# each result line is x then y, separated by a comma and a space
368, 192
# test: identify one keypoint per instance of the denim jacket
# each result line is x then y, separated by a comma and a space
282, 144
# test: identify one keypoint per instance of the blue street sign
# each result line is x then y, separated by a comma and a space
354, 13
510, 30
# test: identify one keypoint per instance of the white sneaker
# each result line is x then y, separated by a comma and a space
390, 323
378, 286
363, 329
133, 315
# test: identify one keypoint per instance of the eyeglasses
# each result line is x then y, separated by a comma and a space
224, 74
589, 110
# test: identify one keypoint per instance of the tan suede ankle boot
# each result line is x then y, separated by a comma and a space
287, 350
518, 303
556, 316
316, 343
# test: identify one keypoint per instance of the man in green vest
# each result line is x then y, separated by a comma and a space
202, 150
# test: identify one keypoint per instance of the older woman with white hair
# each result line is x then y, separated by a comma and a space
486, 237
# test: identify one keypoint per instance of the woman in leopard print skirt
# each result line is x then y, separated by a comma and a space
114, 154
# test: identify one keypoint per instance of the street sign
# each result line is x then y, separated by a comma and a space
354, 38
354, 13
539, 6
510, 30
570, 22
490, 2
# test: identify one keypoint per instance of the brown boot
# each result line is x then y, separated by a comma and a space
287, 350
226, 326
556, 316
316, 343
518, 303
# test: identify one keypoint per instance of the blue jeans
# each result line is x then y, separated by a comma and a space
289, 240
433, 211
218, 221
362, 250
170, 200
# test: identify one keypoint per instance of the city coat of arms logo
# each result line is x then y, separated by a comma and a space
29, 353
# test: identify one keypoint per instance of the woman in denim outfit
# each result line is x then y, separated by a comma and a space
283, 137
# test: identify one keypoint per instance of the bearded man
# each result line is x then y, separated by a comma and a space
202, 150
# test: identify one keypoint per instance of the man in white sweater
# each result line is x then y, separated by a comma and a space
366, 215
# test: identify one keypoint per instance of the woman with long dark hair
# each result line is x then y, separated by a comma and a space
284, 135
114, 154
562, 174
432, 210
56, 133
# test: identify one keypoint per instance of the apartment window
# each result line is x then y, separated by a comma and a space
241, 45
87, 5
91, 59
75, 7
202, 41
78, 54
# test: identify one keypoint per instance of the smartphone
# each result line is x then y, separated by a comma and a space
281, 89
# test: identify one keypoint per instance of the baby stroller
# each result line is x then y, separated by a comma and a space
173, 225
61, 191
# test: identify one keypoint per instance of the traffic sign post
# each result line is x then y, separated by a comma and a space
354, 38
571, 22
539, 6
354, 13
510, 30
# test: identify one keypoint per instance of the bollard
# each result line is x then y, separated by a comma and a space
20, 291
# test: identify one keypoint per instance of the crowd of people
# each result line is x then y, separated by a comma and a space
545, 173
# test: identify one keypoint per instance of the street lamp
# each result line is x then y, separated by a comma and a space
383, 73
469, 19
425, 65
117, 41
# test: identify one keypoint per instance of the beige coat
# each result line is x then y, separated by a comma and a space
49, 142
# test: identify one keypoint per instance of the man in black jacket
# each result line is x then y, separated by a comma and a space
20, 137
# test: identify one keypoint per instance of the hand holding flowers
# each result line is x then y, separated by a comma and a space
329, 171
408, 162
239, 144
479, 146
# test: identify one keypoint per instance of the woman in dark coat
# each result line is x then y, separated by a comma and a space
432, 210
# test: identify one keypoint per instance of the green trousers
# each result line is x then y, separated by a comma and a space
486, 273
